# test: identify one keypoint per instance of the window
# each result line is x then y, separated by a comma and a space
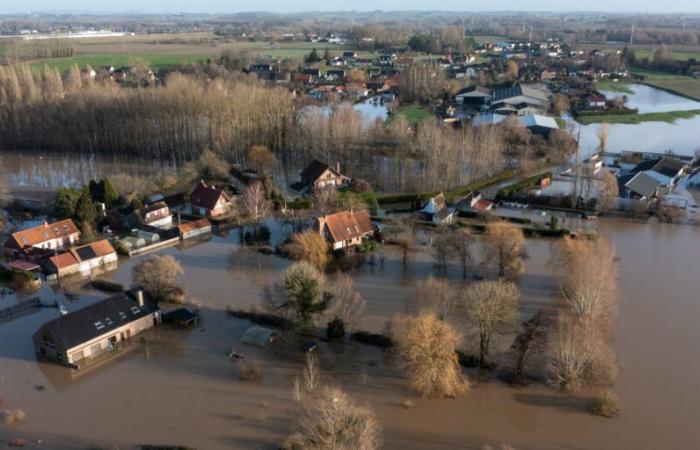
122, 315
108, 321
135, 310
99, 325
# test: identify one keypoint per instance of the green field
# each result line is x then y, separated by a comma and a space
679, 55
614, 86
685, 86
413, 113
633, 119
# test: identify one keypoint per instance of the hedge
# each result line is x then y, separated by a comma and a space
522, 185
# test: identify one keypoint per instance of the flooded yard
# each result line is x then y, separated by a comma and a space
179, 386
681, 137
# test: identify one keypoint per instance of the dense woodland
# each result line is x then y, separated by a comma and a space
183, 116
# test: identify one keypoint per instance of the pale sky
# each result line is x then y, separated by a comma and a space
233, 6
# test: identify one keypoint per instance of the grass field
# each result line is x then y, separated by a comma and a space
118, 60
614, 86
677, 84
413, 113
633, 119
168, 53
679, 55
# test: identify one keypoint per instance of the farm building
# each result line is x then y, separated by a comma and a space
82, 335
194, 229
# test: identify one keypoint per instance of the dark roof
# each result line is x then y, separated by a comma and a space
505, 93
315, 169
95, 320
665, 166
205, 196
181, 316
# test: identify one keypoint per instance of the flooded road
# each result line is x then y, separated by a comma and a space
179, 388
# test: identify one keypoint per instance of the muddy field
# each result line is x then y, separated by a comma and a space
179, 387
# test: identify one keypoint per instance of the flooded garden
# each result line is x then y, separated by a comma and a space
178, 386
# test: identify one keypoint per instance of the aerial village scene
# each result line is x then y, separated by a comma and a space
349, 230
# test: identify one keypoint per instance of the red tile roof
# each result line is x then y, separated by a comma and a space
43, 233
191, 226
64, 260
347, 225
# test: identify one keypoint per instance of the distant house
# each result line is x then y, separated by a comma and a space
320, 175
193, 229
521, 96
156, 215
539, 124
82, 335
55, 236
473, 96
209, 201
82, 260
345, 229
335, 74
349, 55
437, 212
651, 177
595, 100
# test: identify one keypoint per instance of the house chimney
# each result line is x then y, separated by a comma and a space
139, 297
337, 167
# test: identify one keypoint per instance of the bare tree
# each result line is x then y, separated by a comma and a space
491, 307
531, 340
330, 420
407, 247
261, 159
326, 201
434, 295
443, 250
504, 248
580, 356
609, 191
425, 349
462, 240
157, 276
255, 203
587, 274
311, 247
347, 304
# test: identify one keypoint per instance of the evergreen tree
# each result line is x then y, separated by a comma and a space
313, 56
109, 194
66, 200
327, 55
85, 211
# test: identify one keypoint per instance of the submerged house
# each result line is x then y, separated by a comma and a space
345, 229
197, 228
318, 175
437, 212
82, 260
82, 335
48, 236
209, 201
155, 215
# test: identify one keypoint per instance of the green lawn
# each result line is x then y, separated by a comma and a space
117, 60
679, 55
633, 119
614, 86
677, 84
413, 113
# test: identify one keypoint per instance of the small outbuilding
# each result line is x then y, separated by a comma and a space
259, 336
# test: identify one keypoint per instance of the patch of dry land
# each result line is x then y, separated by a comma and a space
179, 386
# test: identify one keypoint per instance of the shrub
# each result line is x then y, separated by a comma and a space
605, 404
121, 248
335, 329
331, 420
13, 416
106, 285
376, 339
249, 370
260, 318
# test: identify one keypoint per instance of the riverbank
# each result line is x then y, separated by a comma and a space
634, 119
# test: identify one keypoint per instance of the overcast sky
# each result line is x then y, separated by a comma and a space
232, 6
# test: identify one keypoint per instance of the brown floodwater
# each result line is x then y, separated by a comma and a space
179, 387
